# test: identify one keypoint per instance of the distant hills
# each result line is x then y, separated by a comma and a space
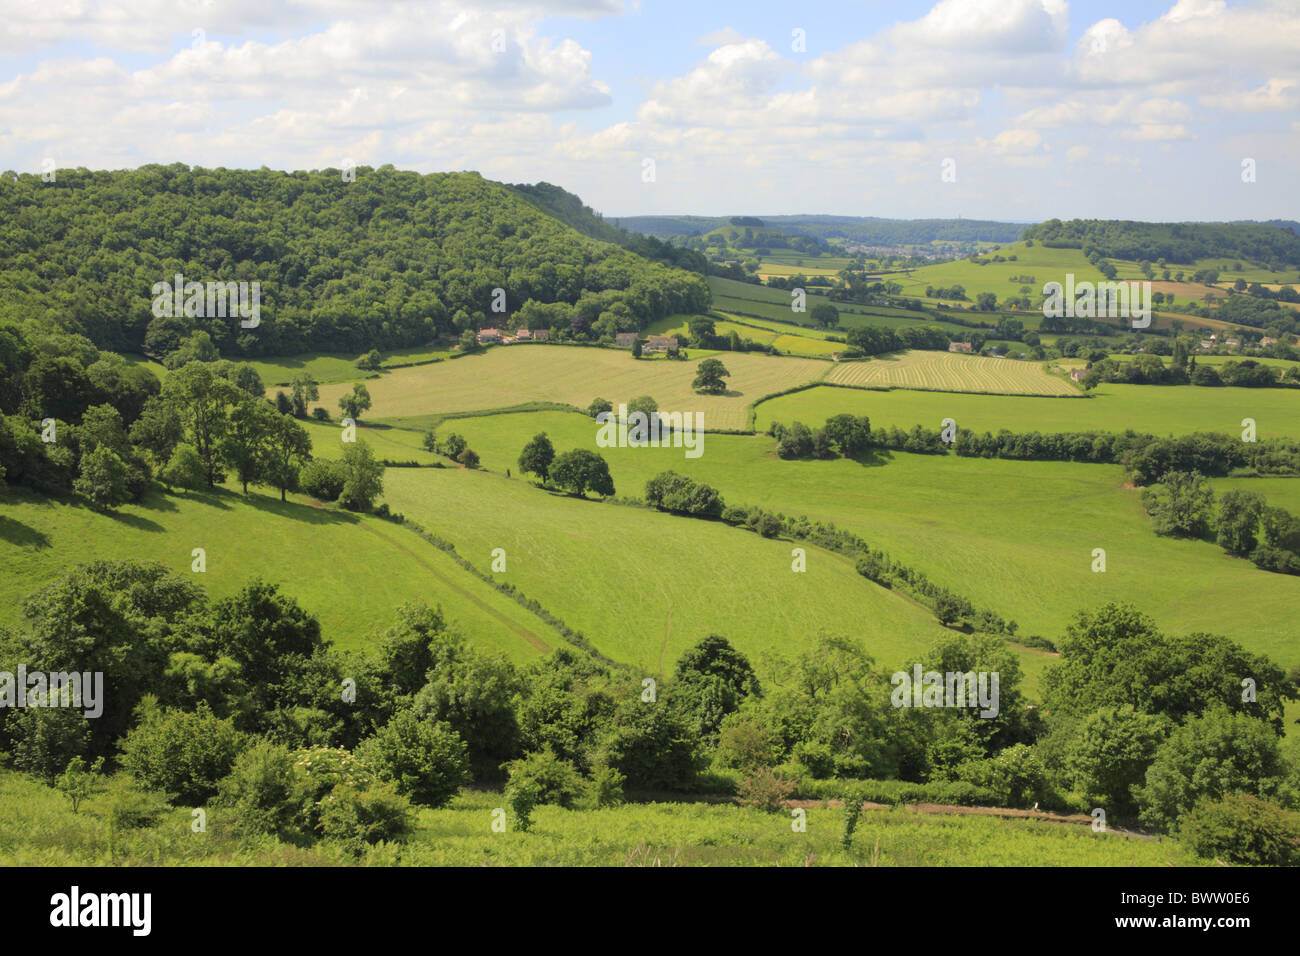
867, 230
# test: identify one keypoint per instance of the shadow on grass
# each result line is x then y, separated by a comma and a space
875, 458
15, 532
297, 511
138, 522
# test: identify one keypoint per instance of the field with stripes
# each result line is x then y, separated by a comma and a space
951, 372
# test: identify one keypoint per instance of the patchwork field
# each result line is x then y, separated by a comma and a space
643, 586
1155, 409
1004, 533
513, 375
351, 572
951, 372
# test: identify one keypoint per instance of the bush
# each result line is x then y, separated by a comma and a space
182, 753
542, 777
265, 792
427, 761
319, 770
130, 808
604, 788
1015, 776
322, 479
358, 817
1240, 828
765, 789
321, 414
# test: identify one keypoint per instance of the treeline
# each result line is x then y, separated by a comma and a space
1151, 370
878, 339
1183, 242
73, 418
390, 260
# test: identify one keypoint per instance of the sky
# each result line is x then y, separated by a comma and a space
991, 109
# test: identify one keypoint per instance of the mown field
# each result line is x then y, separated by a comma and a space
642, 586
951, 372
512, 375
351, 572
1013, 536
784, 338
38, 828
1154, 409
338, 367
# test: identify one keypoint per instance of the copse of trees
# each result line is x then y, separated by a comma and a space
669, 491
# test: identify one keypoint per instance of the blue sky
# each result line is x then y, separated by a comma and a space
1004, 109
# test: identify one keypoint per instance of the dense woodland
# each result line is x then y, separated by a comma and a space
390, 260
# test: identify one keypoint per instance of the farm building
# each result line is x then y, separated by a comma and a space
523, 335
489, 335
624, 340
1078, 374
1266, 341
661, 343
541, 335
959, 347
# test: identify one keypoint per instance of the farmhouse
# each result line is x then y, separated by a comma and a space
959, 347
661, 343
1232, 343
489, 335
523, 335
624, 340
541, 335
1266, 341
1078, 374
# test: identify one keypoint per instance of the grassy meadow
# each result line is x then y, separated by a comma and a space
1156, 409
350, 571
1005, 534
39, 828
643, 586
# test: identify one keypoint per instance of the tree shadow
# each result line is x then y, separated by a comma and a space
138, 522
874, 457
299, 512
15, 532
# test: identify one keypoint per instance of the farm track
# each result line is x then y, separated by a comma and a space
517, 629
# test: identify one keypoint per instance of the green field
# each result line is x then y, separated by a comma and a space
810, 342
337, 367
643, 586
951, 372
1006, 534
351, 572
513, 375
1154, 409
38, 828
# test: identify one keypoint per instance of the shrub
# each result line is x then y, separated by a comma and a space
765, 789
427, 761
265, 792
358, 817
322, 479
320, 413
1015, 775
604, 788
179, 752
320, 770
1240, 828
542, 777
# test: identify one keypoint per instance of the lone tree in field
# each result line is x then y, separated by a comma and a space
825, 315
370, 362
537, 456
288, 448
709, 376
363, 477
581, 470
356, 403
